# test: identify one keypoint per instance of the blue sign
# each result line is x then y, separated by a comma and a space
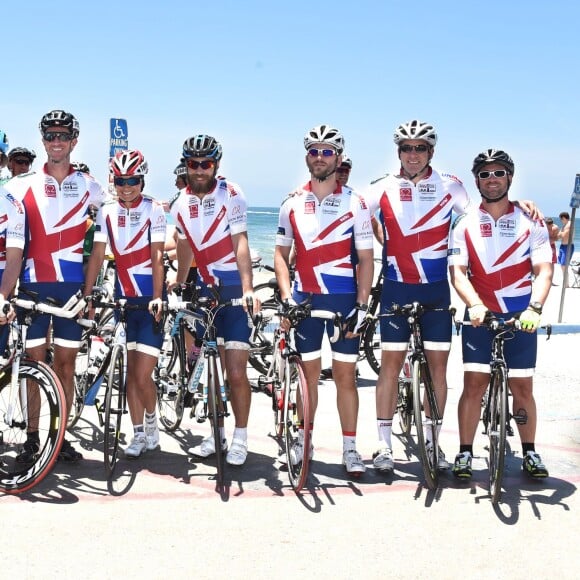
575, 201
119, 139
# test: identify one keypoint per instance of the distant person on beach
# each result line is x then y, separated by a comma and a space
211, 218
56, 200
20, 160
501, 248
553, 231
564, 237
329, 226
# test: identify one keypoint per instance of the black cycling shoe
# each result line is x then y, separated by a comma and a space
68, 453
29, 452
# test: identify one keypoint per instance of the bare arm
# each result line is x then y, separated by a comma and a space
11, 272
184, 258
543, 273
365, 274
244, 261
94, 266
282, 270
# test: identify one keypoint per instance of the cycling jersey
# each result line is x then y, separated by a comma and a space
56, 218
209, 224
416, 221
500, 255
130, 233
326, 236
12, 224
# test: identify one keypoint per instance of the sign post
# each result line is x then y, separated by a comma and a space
118, 141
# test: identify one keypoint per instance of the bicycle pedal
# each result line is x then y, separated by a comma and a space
520, 419
509, 431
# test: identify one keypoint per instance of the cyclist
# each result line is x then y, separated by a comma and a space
4, 146
329, 226
56, 200
211, 218
134, 226
502, 248
19, 160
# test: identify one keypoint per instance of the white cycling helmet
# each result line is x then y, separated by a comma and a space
415, 130
129, 163
327, 135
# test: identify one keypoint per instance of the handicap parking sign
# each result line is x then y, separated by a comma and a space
119, 137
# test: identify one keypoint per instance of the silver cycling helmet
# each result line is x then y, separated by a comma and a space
202, 146
327, 135
492, 156
415, 129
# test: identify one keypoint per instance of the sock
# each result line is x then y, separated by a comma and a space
241, 433
528, 447
464, 448
427, 430
151, 418
348, 441
385, 428
138, 429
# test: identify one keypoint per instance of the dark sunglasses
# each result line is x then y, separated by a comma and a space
121, 181
57, 137
343, 170
415, 148
488, 174
22, 161
205, 164
321, 152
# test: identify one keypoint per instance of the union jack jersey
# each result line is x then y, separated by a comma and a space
416, 221
12, 224
208, 225
56, 218
500, 255
130, 233
326, 236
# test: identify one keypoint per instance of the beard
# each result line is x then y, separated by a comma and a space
201, 186
322, 171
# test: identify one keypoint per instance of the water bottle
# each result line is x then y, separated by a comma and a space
97, 354
91, 395
197, 371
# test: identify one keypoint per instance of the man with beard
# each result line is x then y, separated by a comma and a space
329, 226
211, 219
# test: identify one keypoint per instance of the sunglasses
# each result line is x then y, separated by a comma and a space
57, 137
343, 170
415, 148
22, 161
321, 152
488, 174
121, 181
205, 164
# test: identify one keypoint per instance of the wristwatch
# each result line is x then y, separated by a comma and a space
536, 307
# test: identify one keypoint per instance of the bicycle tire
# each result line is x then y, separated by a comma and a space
170, 401
498, 416
115, 399
17, 477
428, 457
296, 410
262, 347
80, 385
215, 412
405, 402
372, 345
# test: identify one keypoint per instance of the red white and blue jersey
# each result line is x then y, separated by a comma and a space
12, 225
130, 233
326, 236
500, 255
56, 218
416, 220
209, 224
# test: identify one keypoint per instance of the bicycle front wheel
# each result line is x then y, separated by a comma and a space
80, 384
297, 417
170, 391
496, 431
40, 405
426, 427
372, 344
115, 399
216, 411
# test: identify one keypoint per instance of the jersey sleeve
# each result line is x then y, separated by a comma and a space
101, 233
457, 254
461, 201
363, 231
540, 250
15, 226
285, 233
237, 209
158, 223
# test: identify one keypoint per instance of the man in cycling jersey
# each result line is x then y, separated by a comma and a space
329, 226
501, 248
56, 200
20, 160
211, 219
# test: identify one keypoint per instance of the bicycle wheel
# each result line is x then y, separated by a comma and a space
296, 411
170, 391
372, 344
80, 384
115, 399
215, 413
496, 431
39, 406
262, 346
424, 426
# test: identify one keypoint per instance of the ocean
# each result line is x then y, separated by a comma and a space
263, 223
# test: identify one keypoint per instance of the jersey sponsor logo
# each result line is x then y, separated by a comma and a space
70, 187
363, 203
15, 202
406, 194
194, 211
332, 202
485, 230
49, 190
135, 218
121, 221
236, 211
232, 191
281, 231
208, 206
309, 207
427, 188
452, 177
507, 224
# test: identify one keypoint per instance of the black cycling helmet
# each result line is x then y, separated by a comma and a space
58, 118
80, 166
202, 146
23, 152
180, 170
492, 156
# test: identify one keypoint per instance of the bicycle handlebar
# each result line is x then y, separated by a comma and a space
70, 310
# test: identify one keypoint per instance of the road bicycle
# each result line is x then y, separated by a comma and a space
285, 382
416, 392
496, 416
32, 400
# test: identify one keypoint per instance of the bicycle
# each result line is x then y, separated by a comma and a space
286, 384
496, 416
370, 340
31, 400
420, 393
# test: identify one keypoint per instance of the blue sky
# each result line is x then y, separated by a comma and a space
257, 74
